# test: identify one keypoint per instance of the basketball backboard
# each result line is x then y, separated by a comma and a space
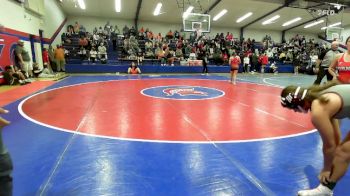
195, 22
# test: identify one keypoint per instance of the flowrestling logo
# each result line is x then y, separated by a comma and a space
182, 92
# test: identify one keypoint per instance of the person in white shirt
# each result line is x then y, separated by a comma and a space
82, 53
96, 37
246, 62
102, 51
93, 55
274, 68
43, 73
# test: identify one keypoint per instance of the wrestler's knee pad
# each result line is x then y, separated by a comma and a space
6, 166
342, 153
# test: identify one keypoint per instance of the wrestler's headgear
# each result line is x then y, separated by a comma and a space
294, 100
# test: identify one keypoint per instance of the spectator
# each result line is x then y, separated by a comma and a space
132, 31
282, 56
82, 53
83, 41
67, 52
76, 28
52, 57
246, 61
170, 35
264, 62
296, 62
149, 54
142, 30
13, 77
170, 55
133, 69
100, 31
192, 56
225, 57
116, 28
108, 27
23, 58
178, 53
114, 37
46, 60
93, 55
159, 37
176, 34
149, 35
102, 50
42, 73
274, 68
140, 57
202, 56
70, 29
255, 62
103, 58
148, 45
60, 59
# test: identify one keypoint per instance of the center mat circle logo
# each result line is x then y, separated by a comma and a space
183, 92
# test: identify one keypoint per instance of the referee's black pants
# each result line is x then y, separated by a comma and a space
323, 71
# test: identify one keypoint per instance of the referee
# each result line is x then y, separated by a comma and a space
323, 62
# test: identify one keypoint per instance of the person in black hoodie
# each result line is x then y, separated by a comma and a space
202, 56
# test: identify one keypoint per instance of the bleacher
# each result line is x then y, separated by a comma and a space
118, 62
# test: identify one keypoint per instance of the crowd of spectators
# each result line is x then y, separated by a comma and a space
178, 46
90, 46
175, 46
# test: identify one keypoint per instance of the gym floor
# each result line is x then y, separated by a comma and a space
162, 135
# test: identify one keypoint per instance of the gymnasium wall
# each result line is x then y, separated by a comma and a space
290, 34
91, 22
22, 24
54, 17
15, 17
346, 34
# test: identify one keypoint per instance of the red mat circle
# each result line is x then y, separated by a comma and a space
117, 109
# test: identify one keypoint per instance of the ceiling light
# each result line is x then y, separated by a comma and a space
268, 21
332, 25
313, 24
157, 10
187, 12
118, 5
337, 5
244, 17
291, 21
335, 24
220, 14
81, 4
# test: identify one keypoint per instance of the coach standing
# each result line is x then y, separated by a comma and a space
323, 62
23, 58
